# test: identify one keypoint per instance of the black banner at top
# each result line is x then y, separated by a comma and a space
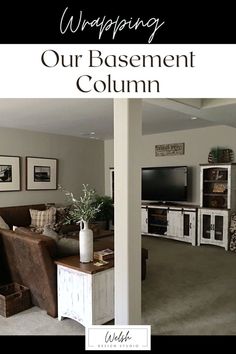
69, 23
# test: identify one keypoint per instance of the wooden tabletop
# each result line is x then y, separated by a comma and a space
73, 262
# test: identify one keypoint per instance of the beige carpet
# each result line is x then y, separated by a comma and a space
188, 291
35, 321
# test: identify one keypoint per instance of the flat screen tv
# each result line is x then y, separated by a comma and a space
165, 184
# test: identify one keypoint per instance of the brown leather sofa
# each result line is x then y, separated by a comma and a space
19, 215
30, 262
28, 258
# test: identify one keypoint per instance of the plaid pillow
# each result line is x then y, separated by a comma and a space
40, 218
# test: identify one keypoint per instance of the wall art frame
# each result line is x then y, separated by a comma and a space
41, 173
10, 174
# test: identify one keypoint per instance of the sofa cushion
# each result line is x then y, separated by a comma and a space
48, 231
40, 218
61, 214
63, 246
3, 224
67, 247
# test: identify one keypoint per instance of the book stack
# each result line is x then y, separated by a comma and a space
104, 255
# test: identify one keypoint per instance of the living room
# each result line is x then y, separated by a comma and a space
79, 133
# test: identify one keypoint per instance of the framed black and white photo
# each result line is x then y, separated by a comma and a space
9, 173
41, 173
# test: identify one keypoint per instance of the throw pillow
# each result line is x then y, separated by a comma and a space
40, 218
3, 224
232, 245
47, 231
61, 214
233, 223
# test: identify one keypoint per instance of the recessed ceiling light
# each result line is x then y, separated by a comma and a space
194, 118
92, 133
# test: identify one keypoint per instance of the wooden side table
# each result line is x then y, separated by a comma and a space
85, 291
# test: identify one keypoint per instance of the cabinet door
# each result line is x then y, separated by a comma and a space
214, 227
206, 222
157, 221
174, 223
144, 220
220, 228
189, 225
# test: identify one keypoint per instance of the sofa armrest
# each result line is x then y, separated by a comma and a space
50, 243
29, 258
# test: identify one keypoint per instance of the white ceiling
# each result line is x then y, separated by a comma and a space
80, 117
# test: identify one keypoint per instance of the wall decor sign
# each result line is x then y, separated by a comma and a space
41, 173
169, 149
9, 173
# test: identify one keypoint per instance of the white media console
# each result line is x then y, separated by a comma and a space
170, 221
176, 222
207, 223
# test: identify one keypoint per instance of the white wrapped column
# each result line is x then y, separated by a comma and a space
127, 141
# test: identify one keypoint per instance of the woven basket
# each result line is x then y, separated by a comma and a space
223, 156
14, 298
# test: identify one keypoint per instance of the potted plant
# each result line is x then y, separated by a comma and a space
82, 211
106, 210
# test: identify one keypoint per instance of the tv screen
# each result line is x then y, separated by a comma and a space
164, 183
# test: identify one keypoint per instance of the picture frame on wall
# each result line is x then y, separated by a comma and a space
10, 180
41, 173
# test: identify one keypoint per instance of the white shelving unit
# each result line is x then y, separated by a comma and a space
217, 201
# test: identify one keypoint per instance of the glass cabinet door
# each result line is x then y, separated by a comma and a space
218, 227
187, 225
215, 187
206, 226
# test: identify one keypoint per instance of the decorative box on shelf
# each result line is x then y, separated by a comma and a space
104, 255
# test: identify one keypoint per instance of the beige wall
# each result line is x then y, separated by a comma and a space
80, 161
198, 143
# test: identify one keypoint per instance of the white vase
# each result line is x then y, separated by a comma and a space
85, 243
